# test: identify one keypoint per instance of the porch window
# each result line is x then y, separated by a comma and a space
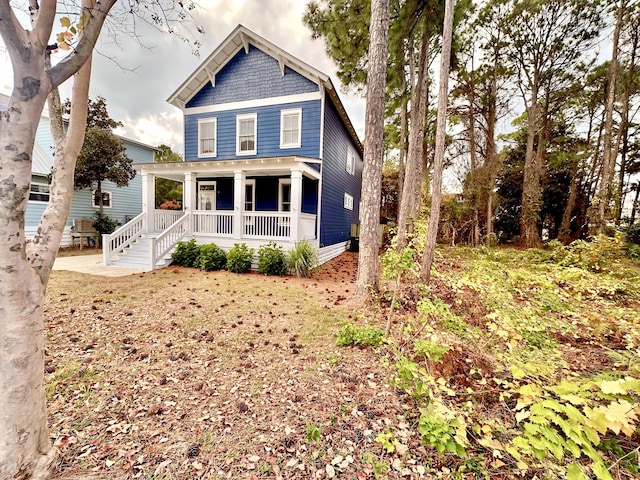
207, 137
284, 198
39, 192
348, 201
95, 199
249, 195
246, 132
290, 128
351, 161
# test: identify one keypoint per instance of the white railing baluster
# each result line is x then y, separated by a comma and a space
122, 237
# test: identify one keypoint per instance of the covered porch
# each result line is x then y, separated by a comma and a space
225, 201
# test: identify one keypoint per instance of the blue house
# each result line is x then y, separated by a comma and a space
270, 155
121, 203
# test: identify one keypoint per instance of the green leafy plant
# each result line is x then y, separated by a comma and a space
302, 258
271, 259
104, 224
314, 433
360, 336
570, 419
187, 254
212, 257
239, 258
433, 351
440, 434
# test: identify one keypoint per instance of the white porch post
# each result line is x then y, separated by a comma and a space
148, 200
296, 203
189, 193
238, 202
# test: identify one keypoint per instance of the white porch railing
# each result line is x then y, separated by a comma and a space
121, 238
163, 219
213, 222
163, 243
266, 225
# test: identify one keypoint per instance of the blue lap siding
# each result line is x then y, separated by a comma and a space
336, 220
268, 142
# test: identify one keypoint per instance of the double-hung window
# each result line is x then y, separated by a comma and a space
290, 123
348, 201
207, 137
39, 192
106, 199
246, 128
350, 166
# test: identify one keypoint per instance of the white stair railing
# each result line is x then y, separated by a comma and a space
163, 243
114, 243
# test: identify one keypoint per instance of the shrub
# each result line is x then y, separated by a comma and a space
187, 254
302, 259
104, 224
632, 234
212, 257
360, 336
239, 258
271, 260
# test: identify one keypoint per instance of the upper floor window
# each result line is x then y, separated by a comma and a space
246, 128
290, 121
39, 192
207, 137
95, 199
350, 166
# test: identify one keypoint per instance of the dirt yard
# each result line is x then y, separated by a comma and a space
180, 373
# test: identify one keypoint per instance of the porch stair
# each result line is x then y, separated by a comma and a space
138, 255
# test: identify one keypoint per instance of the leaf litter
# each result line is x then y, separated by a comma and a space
180, 373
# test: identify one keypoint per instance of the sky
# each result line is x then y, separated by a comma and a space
137, 77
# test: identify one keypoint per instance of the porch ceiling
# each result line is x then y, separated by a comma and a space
251, 166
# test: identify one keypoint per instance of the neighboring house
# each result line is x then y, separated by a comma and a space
121, 203
270, 155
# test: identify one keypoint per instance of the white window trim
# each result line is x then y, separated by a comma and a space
239, 118
348, 201
283, 113
284, 181
93, 199
202, 121
350, 163
208, 183
48, 193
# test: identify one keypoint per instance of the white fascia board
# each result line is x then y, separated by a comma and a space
261, 102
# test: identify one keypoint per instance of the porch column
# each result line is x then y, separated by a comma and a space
189, 200
238, 202
148, 200
296, 203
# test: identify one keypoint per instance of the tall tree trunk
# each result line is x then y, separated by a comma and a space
564, 232
25, 449
608, 159
373, 149
492, 156
441, 131
412, 187
531, 189
403, 148
624, 126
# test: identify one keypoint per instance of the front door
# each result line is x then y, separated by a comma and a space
207, 196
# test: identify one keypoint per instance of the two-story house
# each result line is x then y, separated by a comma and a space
270, 155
